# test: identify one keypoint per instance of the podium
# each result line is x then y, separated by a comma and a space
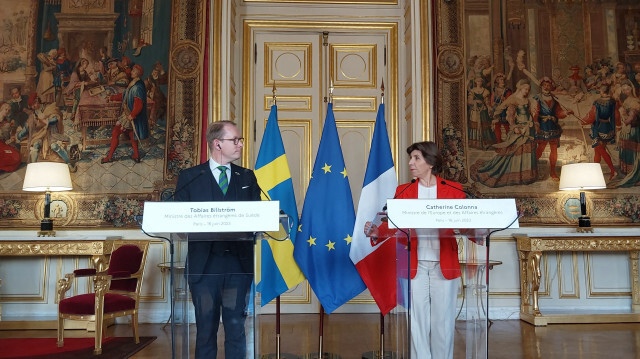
457, 229
214, 244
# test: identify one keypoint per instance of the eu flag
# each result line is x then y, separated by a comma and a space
279, 271
326, 226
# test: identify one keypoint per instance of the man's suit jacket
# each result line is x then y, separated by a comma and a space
198, 184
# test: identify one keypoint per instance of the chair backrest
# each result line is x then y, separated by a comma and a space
127, 259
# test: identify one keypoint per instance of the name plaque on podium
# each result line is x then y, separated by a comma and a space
202, 217
452, 213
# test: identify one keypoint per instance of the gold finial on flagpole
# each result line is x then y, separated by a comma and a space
331, 91
382, 94
274, 93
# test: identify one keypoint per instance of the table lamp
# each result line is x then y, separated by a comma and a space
580, 177
47, 177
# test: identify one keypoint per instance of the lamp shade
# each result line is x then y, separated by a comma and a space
47, 176
582, 176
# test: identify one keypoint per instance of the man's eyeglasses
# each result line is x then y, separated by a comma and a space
235, 140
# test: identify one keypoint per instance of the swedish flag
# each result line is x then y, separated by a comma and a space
326, 226
279, 271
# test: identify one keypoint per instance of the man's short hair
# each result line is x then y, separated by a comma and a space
215, 131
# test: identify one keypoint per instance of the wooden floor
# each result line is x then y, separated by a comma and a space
350, 335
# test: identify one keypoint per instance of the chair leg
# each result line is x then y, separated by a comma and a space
134, 326
99, 325
98, 347
60, 331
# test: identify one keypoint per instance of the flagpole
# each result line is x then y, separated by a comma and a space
321, 354
278, 297
278, 327
321, 324
380, 353
321, 329
321, 332
278, 354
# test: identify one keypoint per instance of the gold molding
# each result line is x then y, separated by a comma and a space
46, 248
305, 47
362, 298
43, 291
163, 287
284, 99
593, 294
576, 283
547, 285
346, 124
508, 239
425, 32
305, 124
351, 104
342, 2
295, 299
214, 110
249, 25
532, 248
369, 49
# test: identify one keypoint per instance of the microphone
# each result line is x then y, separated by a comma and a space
399, 193
459, 189
202, 171
266, 195
284, 218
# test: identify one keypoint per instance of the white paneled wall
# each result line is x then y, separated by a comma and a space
569, 280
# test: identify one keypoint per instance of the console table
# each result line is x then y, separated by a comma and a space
98, 247
530, 248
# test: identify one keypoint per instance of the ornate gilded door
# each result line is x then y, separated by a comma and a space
303, 64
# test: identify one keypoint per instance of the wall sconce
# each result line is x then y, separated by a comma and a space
47, 177
580, 177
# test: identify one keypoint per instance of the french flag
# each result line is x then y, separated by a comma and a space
376, 264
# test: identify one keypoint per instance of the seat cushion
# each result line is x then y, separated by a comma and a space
84, 304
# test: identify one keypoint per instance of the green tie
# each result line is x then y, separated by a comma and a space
223, 182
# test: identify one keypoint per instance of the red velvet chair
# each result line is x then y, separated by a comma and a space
116, 291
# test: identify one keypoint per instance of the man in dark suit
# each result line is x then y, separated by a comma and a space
220, 266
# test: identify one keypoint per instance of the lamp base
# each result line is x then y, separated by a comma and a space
584, 221
584, 224
46, 228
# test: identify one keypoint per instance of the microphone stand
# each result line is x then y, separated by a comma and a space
138, 219
408, 234
488, 239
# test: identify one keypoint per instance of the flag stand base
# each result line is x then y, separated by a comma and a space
377, 355
324, 355
282, 356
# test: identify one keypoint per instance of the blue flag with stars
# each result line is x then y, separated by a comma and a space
324, 235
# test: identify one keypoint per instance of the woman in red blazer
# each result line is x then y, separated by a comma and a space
434, 259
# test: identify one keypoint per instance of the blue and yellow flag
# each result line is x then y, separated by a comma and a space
279, 271
326, 226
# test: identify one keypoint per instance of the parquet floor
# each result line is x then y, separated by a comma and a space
350, 335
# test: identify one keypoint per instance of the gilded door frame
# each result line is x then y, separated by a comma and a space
249, 26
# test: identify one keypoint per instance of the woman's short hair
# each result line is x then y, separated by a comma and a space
431, 154
215, 131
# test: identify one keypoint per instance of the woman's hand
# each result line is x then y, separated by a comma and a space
370, 229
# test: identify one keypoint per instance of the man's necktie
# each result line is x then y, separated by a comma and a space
223, 182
